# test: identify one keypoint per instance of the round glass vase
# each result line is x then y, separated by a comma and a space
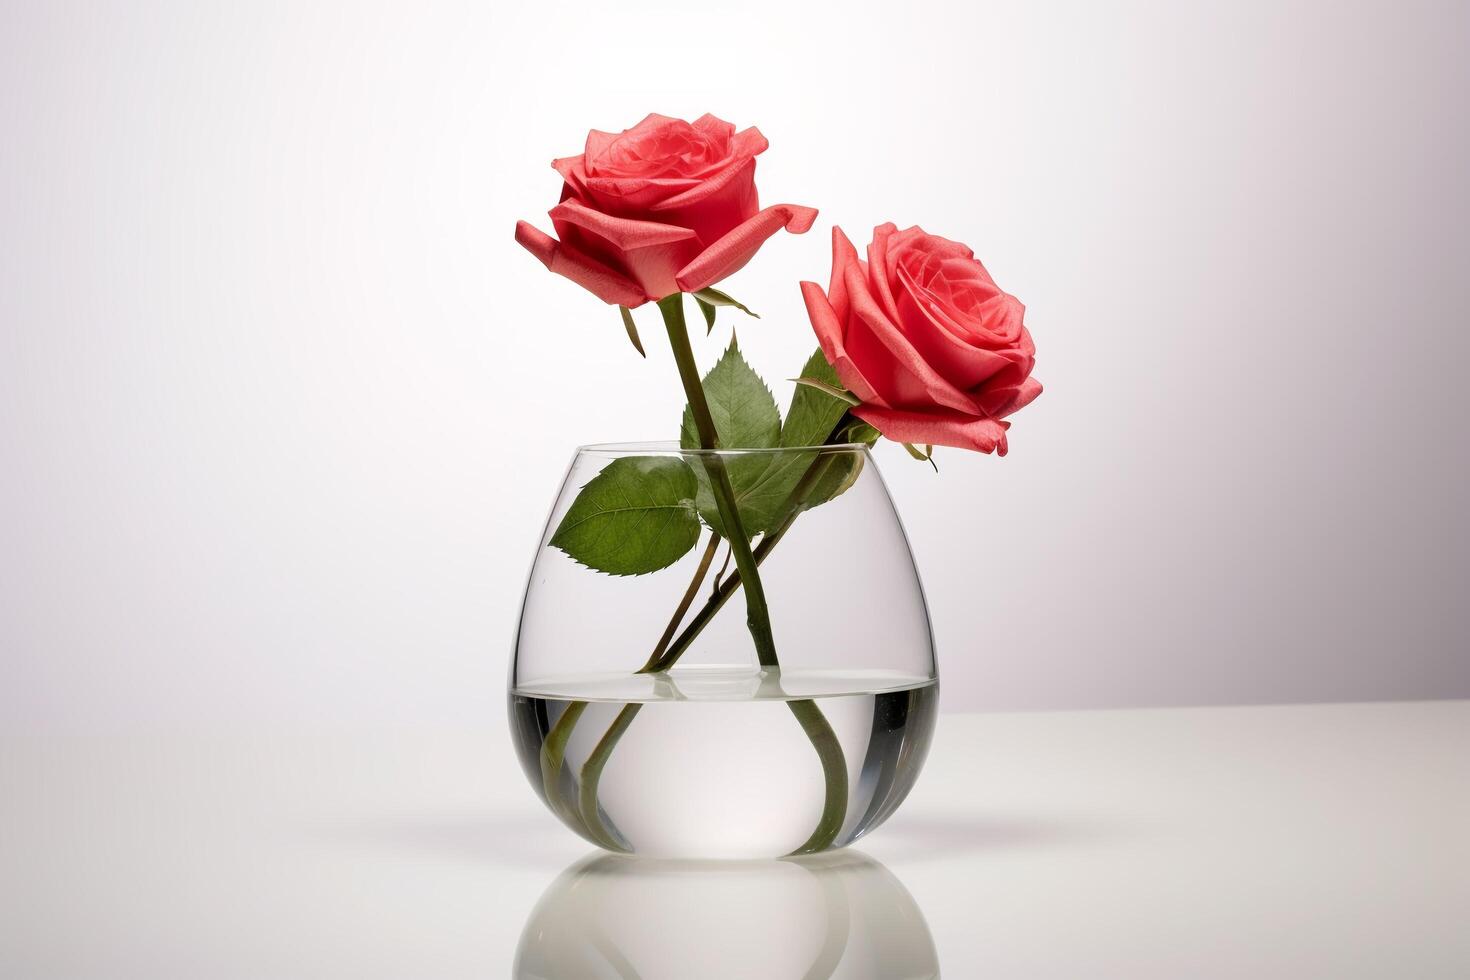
645, 714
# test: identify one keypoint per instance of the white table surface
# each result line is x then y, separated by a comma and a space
1321, 841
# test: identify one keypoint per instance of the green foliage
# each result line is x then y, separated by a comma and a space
835, 391
841, 470
642, 513
632, 329
709, 315
814, 412
713, 297
746, 417
925, 455
856, 430
634, 517
740, 404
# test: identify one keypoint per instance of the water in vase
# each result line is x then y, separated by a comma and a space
714, 761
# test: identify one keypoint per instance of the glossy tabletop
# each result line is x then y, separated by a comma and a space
1319, 841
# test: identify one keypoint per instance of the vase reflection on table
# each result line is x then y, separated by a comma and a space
644, 721
832, 915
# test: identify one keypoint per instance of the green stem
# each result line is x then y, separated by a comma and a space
553, 752
757, 616
818, 730
592, 772
699, 573
728, 587
834, 773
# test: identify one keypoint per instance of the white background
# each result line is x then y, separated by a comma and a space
283, 406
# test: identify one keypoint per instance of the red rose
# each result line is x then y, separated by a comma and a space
936, 352
665, 207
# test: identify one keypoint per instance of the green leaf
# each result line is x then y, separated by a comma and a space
634, 517
814, 413
743, 410
841, 394
856, 430
814, 410
842, 469
745, 417
925, 455
709, 315
714, 297
764, 484
632, 329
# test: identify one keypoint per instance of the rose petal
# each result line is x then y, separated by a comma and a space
995, 323
625, 233
936, 337
879, 273
648, 251
938, 428
727, 255
573, 170
714, 126
661, 146
844, 257
725, 189
829, 334
631, 196
1030, 389
1009, 399
748, 142
598, 142
716, 205
889, 360
928, 245
606, 284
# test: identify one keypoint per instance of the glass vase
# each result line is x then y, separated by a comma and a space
640, 709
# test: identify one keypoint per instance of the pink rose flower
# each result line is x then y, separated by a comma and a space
935, 351
667, 206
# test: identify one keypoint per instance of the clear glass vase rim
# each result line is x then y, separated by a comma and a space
670, 447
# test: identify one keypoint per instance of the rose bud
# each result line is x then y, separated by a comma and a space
667, 206
934, 350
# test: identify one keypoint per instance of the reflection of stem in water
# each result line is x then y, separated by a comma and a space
592, 773
834, 774
553, 752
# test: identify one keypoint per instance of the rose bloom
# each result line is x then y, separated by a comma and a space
667, 206
936, 352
